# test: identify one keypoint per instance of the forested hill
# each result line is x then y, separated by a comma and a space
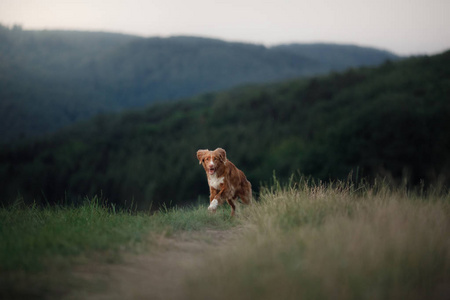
49, 79
392, 120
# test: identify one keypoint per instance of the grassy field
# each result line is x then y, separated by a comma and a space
39, 245
317, 241
304, 240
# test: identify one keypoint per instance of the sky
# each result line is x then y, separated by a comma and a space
405, 27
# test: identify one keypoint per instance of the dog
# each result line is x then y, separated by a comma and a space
226, 182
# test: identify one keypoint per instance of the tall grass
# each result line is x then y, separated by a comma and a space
335, 241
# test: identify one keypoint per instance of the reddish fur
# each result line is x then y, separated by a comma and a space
233, 178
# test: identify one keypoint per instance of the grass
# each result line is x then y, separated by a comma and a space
304, 240
318, 241
31, 236
39, 244
193, 218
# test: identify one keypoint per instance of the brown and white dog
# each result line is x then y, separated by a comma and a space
226, 182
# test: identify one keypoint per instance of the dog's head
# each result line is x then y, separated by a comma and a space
212, 161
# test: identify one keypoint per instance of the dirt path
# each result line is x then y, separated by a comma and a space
158, 274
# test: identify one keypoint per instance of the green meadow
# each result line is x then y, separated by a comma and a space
40, 245
302, 240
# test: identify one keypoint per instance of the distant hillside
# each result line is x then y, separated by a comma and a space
337, 57
49, 79
392, 120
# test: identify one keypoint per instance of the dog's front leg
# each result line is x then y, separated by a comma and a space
216, 199
213, 203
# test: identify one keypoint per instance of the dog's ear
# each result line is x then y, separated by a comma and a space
200, 154
222, 154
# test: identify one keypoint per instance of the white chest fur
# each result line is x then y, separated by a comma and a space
215, 181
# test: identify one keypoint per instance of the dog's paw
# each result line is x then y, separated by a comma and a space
213, 206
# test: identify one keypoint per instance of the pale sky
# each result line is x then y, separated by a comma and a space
406, 27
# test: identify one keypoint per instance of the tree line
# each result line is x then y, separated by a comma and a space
391, 120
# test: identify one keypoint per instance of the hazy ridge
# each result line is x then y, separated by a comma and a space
50, 79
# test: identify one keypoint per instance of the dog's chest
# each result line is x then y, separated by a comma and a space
215, 181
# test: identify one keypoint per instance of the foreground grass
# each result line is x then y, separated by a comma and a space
302, 241
313, 241
38, 245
